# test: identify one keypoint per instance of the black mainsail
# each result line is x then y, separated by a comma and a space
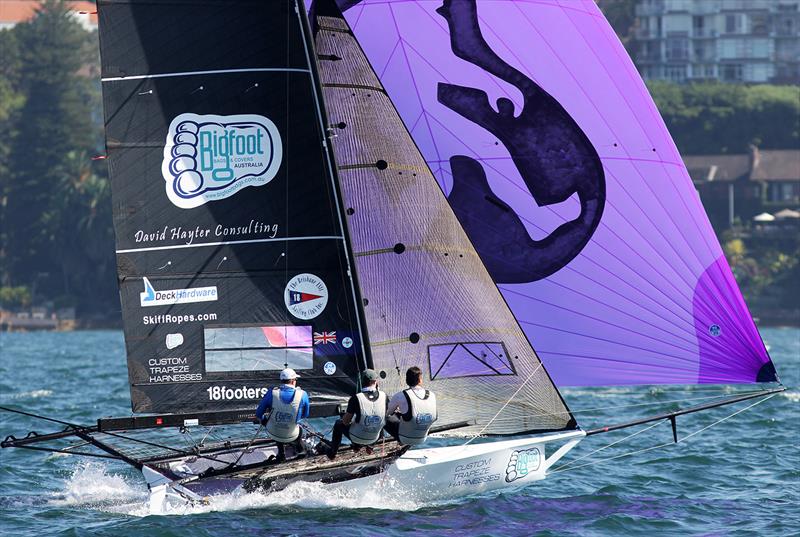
231, 253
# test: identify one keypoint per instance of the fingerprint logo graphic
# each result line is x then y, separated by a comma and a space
211, 157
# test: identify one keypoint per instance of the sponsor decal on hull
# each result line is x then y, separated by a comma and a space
523, 462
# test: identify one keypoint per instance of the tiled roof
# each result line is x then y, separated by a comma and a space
16, 11
763, 165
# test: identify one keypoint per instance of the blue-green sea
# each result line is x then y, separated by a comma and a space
739, 477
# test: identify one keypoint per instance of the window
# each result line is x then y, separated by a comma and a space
732, 24
677, 49
758, 24
698, 26
676, 73
731, 72
258, 348
699, 51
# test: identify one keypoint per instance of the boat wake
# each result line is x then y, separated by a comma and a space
33, 394
93, 486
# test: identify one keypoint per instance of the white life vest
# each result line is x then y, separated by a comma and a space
282, 423
367, 429
422, 413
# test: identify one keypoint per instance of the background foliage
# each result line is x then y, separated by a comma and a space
56, 236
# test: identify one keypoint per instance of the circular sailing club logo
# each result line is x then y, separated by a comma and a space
329, 368
715, 330
306, 296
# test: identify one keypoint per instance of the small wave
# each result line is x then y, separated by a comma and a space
91, 484
303, 495
33, 394
794, 397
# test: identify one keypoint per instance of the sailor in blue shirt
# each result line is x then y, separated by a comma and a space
286, 406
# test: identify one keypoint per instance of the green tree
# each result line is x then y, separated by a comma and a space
710, 118
52, 128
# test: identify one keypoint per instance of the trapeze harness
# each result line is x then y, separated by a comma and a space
416, 423
282, 423
366, 429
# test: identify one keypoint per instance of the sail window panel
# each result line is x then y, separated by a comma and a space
258, 348
469, 360
258, 360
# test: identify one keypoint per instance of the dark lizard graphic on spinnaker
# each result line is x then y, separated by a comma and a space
549, 149
647, 296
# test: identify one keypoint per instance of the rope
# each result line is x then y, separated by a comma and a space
665, 444
653, 403
504, 405
563, 467
234, 463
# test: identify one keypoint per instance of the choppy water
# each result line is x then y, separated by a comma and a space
741, 477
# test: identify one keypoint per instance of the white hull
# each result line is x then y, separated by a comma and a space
456, 471
426, 474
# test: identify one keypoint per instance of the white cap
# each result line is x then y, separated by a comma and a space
289, 374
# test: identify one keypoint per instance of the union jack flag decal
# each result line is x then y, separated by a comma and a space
321, 338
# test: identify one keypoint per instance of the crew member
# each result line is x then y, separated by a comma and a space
287, 405
411, 413
363, 421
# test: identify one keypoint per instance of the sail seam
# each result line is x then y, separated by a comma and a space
224, 243
209, 72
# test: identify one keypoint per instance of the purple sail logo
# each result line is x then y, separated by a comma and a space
210, 157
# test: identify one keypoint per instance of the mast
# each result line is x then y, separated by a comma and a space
305, 28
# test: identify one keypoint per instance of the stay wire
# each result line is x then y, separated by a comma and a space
538, 367
665, 444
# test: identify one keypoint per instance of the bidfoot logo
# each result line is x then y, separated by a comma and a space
151, 297
210, 157
523, 462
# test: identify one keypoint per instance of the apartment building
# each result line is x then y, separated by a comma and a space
744, 41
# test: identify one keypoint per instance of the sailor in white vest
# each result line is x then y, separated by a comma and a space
412, 411
286, 406
363, 421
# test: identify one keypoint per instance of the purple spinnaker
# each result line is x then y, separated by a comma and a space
539, 129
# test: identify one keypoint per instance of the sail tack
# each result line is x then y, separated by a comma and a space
554, 158
230, 247
429, 301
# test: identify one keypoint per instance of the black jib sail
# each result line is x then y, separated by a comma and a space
231, 253
429, 300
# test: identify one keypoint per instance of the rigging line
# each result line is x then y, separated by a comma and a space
244, 450
654, 403
505, 404
570, 463
665, 444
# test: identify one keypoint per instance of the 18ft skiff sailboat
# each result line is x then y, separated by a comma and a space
276, 204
